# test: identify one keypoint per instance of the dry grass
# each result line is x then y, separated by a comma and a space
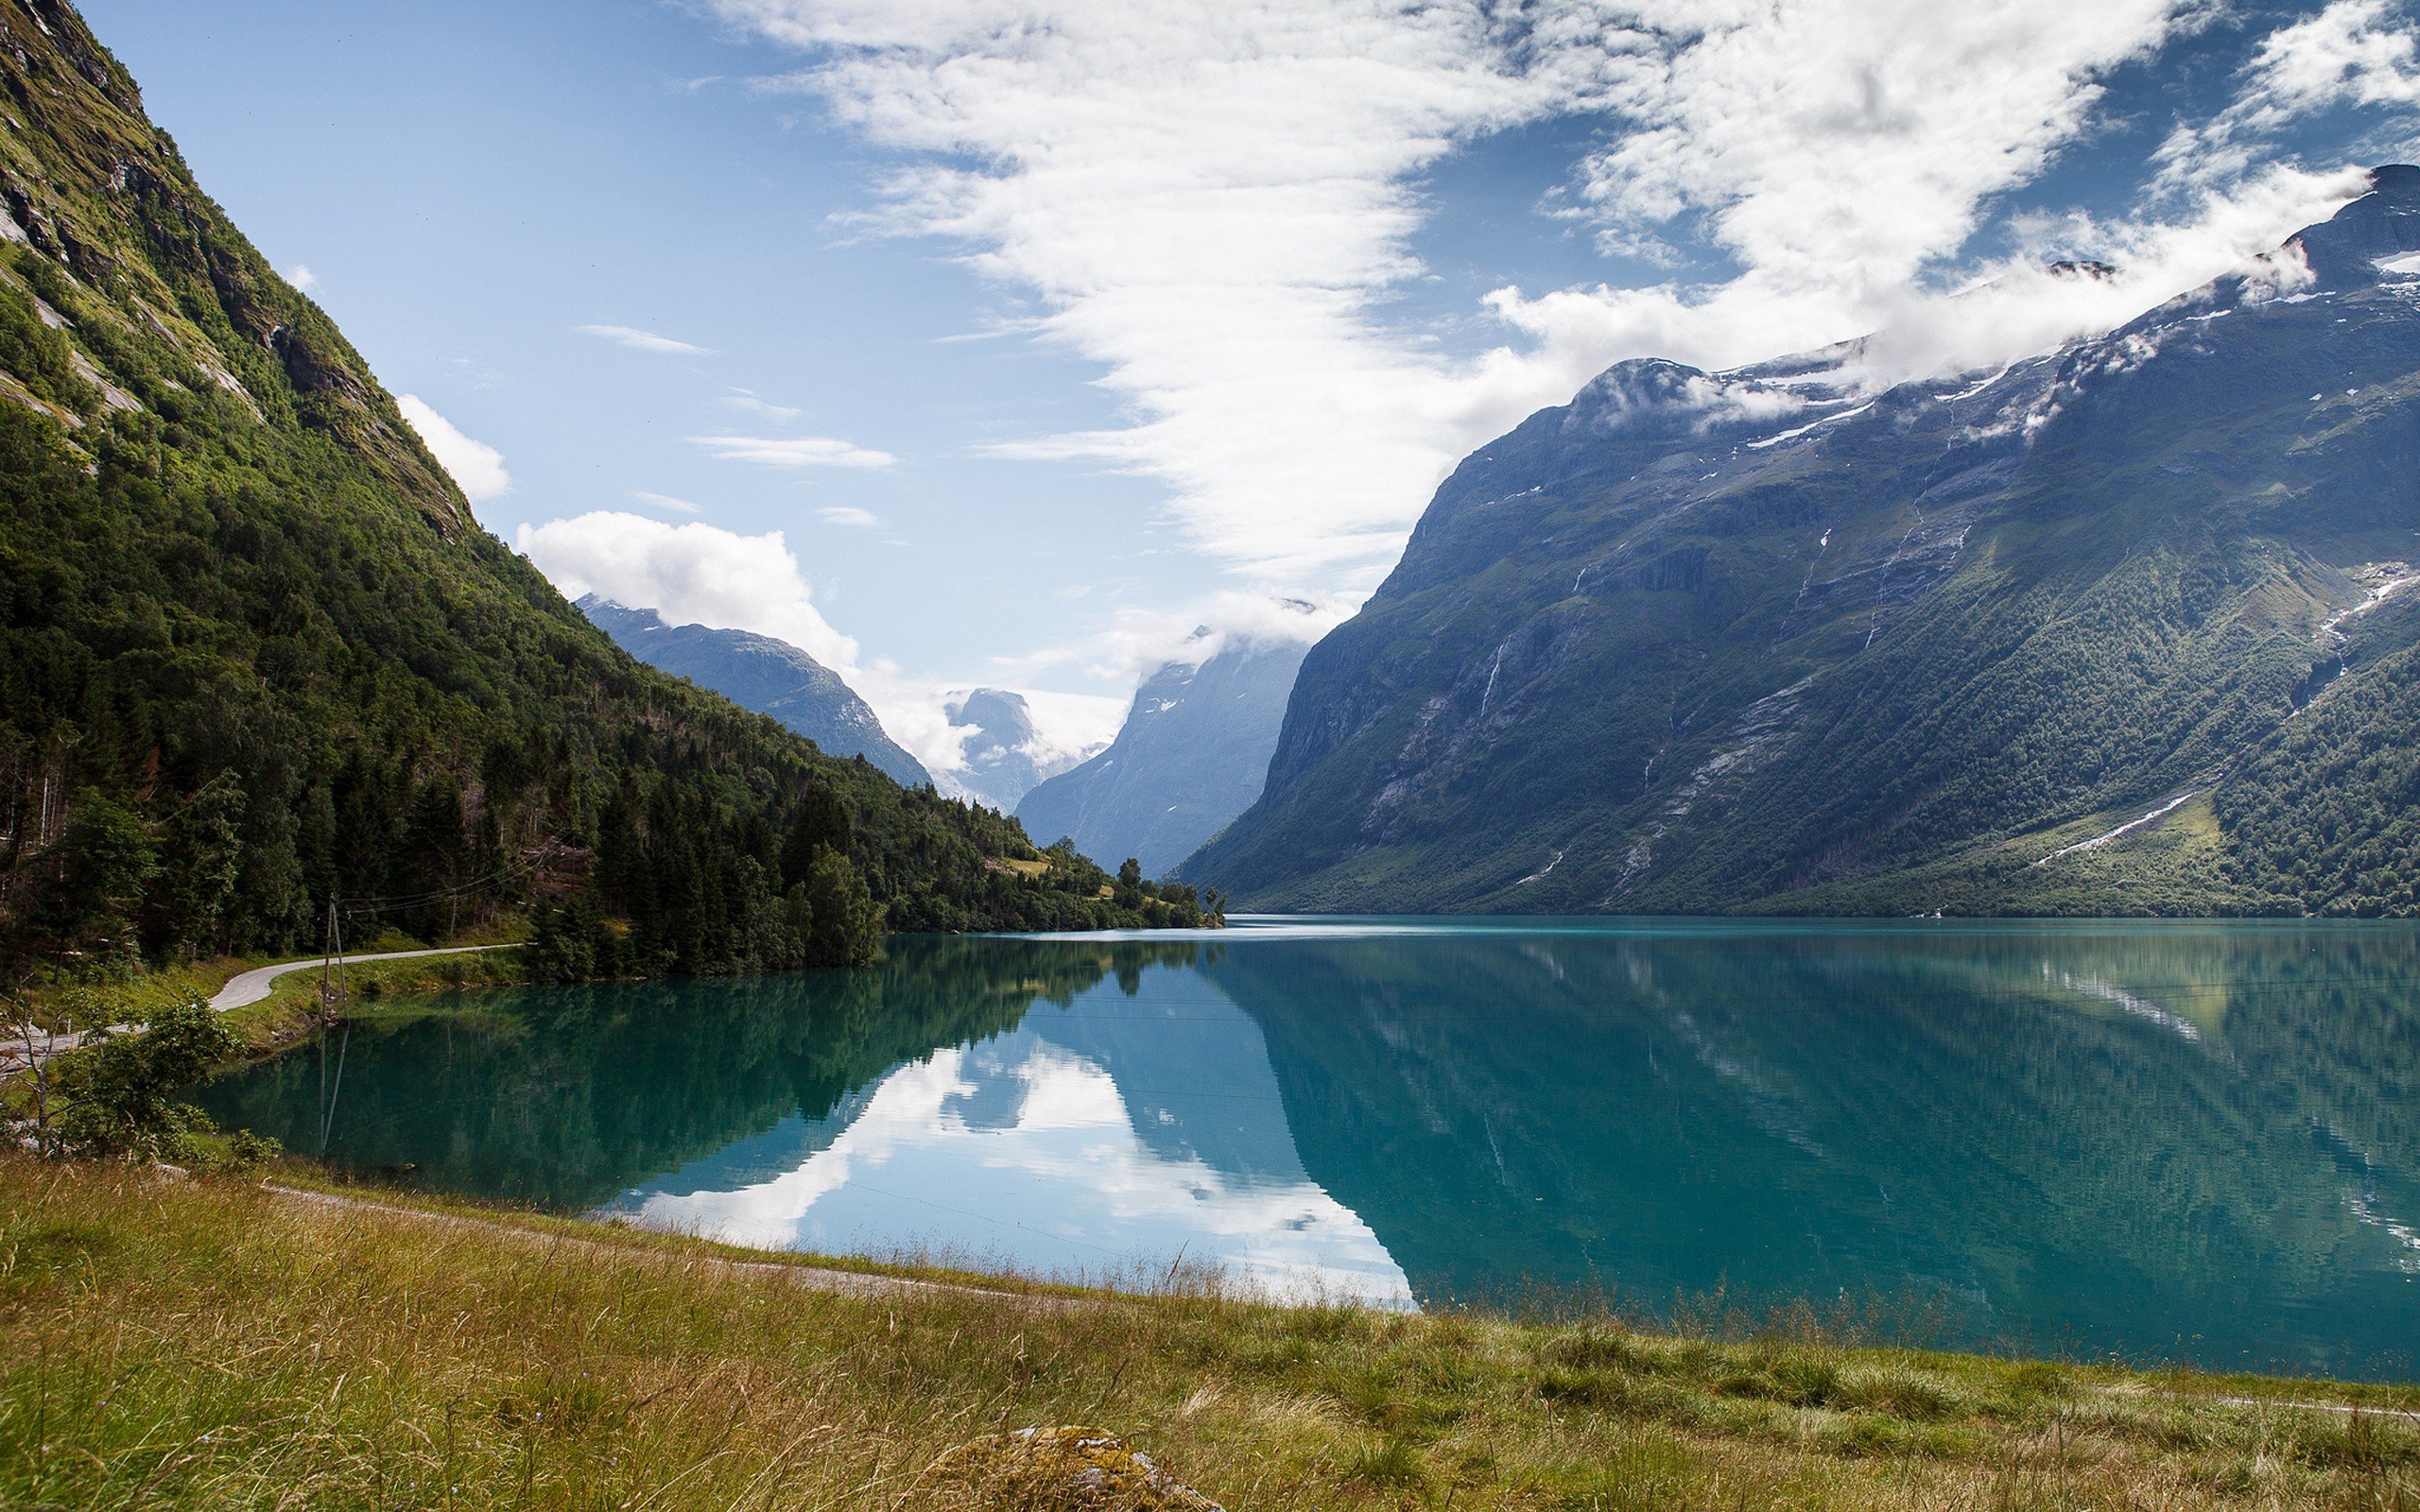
203, 1344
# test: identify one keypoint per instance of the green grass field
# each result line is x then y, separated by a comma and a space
208, 1344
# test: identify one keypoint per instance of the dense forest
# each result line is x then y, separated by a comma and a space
256, 655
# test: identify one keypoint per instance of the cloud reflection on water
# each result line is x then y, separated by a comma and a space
1024, 1147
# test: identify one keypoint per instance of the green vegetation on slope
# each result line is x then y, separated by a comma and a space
254, 652
1699, 642
206, 1345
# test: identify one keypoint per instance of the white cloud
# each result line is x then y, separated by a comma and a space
476, 468
1209, 199
2353, 53
666, 501
855, 518
1071, 727
1839, 156
793, 452
1837, 148
2356, 52
301, 276
1135, 642
697, 573
1068, 727
639, 340
1213, 201
749, 403
691, 574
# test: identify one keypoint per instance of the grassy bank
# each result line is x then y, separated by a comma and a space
286, 1012
211, 1345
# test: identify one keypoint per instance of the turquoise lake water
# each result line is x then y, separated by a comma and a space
2193, 1141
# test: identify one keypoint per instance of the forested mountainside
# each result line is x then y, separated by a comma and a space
1190, 757
254, 652
760, 673
1769, 639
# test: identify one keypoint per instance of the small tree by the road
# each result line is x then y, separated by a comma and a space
116, 1095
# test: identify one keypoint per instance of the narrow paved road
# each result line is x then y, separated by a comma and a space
252, 986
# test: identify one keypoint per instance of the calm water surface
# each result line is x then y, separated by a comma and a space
2193, 1141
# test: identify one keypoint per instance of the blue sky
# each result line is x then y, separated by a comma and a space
1042, 331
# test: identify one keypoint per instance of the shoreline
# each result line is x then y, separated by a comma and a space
221, 1343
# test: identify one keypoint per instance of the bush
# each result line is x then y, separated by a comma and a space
115, 1094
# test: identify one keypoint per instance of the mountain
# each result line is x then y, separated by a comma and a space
2121, 628
758, 672
1006, 757
1189, 758
257, 653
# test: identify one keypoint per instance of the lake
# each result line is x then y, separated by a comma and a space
2193, 1141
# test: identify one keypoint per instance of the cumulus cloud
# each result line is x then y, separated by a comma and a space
301, 276
638, 340
697, 573
1214, 203
476, 468
793, 451
691, 574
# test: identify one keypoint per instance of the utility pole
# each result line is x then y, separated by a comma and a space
333, 993
334, 988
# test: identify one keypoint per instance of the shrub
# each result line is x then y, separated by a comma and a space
115, 1094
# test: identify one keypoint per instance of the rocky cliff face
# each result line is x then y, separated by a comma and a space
1771, 639
769, 676
157, 289
1190, 757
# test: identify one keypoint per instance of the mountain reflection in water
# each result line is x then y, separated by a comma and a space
2192, 1141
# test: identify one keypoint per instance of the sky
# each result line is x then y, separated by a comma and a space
1004, 342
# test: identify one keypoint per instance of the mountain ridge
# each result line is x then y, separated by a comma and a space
1190, 756
762, 673
1703, 643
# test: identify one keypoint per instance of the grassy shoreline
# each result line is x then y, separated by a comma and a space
210, 1344
285, 1016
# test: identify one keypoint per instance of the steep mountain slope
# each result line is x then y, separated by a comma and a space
1005, 756
254, 652
1190, 757
1709, 642
758, 672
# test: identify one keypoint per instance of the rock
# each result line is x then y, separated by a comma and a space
1059, 1469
